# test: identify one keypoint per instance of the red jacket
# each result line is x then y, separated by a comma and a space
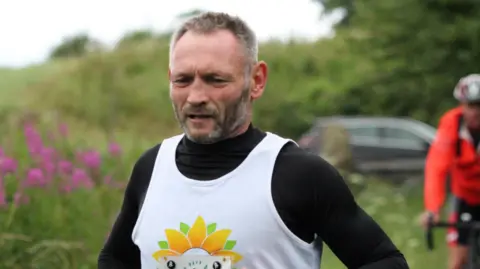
442, 158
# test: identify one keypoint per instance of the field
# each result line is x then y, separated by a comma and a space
397, 210
96, 116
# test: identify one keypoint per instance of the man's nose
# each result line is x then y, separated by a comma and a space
197, 94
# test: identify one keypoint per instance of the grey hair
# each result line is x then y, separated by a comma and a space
209, 22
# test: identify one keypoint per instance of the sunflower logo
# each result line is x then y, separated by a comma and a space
200, 239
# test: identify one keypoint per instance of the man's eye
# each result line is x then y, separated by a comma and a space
182, 80
215, 80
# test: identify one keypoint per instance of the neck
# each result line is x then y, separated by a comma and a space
243, 129
234, 141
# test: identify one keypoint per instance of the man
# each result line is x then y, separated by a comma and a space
455, 150
227, 189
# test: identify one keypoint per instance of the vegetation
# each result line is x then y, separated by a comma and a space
75, 46
391, 57
58, 198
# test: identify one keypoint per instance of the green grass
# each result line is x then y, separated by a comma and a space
15, 82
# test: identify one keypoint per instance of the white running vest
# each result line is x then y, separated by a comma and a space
233, 215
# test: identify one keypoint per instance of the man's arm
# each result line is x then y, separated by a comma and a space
355, 238
437, 166
312, 198
119, 251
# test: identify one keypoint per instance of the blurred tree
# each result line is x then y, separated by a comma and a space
419, 55
179, 19
330, 6
190, 13
135, 37
74, 46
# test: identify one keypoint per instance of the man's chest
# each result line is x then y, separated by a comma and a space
216, 225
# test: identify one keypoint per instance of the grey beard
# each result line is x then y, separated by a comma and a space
235, 116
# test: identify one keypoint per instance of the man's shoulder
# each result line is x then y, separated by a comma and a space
300, 171
449, 121
294, 158
293, 151
148, 157
452, 114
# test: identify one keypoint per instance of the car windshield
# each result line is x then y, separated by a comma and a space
424, 129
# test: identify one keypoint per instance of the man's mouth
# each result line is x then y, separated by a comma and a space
199, 116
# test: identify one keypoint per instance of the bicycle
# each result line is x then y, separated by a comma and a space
473, 261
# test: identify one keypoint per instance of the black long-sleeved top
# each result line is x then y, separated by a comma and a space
309, 195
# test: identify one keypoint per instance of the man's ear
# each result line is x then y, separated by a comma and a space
259, 80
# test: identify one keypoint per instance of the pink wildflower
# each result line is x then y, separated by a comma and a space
48, 153
34, 139
65, 167
3, 195
49, 167
91, 159
7, 165
114, 149
20, 198
35, 177
67, 188
107, 180
51, 137
63, 129
30, 130
80, 178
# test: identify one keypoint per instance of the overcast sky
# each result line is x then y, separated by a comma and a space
30, 28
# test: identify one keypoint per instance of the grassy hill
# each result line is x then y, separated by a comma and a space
110, 89
123, 95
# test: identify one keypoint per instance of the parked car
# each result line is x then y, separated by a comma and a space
379, 145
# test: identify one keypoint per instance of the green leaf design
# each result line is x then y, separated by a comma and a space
230, 244
163, 244
184, 228
211, 228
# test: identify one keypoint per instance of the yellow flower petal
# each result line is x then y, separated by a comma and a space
177, 241
163, 253
233, 255
197, 233
216, 240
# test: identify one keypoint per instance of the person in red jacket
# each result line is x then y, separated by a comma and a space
454, 152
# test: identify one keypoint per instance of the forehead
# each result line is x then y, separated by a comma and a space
207, 52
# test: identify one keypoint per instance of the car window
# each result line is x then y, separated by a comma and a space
401, 138
364, 136
397, 133
369, 131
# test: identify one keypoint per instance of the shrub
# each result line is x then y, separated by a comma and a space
56, 196
75, 46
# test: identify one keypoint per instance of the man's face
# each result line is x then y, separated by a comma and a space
210, 89
471, 114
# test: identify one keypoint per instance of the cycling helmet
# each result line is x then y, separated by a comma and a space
467, 89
